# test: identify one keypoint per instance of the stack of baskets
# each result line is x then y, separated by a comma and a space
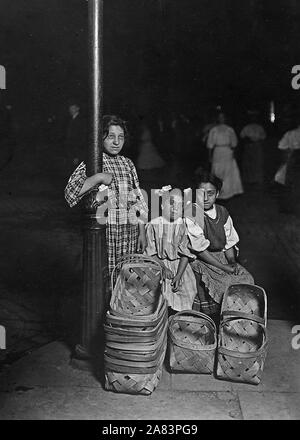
136, 327
242, 344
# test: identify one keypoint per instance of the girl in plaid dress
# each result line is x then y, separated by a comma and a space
125, 233
167, 242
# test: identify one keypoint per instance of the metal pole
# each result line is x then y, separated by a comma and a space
94, 242
95, 56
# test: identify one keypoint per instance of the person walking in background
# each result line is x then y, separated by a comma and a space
75, 136
289, 172
253, 135
149, 163
7, 139
221, 142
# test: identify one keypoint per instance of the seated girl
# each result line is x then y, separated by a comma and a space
216, 267
167, 242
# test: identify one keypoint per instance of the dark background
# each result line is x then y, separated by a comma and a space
181, 55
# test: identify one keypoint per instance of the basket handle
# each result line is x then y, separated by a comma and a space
235, 314
134, 257
195, 314
239, 354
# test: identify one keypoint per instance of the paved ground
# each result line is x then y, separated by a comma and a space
40, 286
43, 385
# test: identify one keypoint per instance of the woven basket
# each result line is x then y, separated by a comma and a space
138, 287
243, 340
128, 322
143, 384
136, 327
246, 298
139, 346
192, 342
135, 334
134, 379
134, 363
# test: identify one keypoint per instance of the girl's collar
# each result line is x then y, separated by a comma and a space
110, 155
212, 212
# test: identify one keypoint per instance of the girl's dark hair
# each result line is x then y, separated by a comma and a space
109, 120
204, 176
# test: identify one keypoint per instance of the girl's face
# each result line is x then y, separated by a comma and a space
210, 195
114, 141
172, 208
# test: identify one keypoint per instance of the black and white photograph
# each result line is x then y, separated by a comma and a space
150, 213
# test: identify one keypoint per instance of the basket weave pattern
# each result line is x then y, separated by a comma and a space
242, 346
138, 286
136, 328
192, 342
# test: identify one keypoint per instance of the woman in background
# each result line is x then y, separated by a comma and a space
149, 162
221, 142
253, 135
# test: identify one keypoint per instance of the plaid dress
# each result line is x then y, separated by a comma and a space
125, 199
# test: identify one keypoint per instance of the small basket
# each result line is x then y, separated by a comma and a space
243, 340
138, 287
192, 342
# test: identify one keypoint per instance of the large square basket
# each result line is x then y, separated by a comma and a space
242, 345
192, 342
138, 288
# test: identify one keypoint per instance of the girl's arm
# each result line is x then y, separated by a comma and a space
180, 270
230, 256
96, 179
142, 241
208, 258
79, 184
